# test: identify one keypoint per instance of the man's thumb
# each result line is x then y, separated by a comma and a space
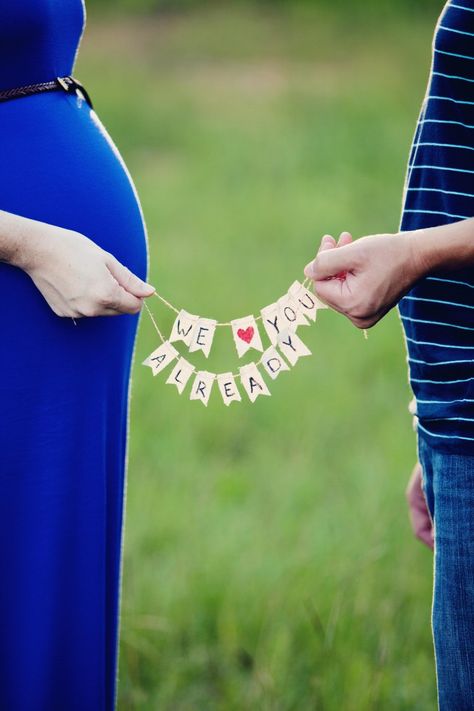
327, 264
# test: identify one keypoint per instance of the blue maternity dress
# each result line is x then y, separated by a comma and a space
63, 388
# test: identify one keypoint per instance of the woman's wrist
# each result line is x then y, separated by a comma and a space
19, 239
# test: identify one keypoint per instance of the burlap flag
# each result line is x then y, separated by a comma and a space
180, 374
291, 316
161, 357
202, 386
292, 346
183, 327
273, 362
203, 335
253, 381
246, 335
308, 302
271, 319
228, 388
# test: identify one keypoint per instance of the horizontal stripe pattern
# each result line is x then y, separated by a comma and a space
437, 315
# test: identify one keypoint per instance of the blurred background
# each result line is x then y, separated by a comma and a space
268, 558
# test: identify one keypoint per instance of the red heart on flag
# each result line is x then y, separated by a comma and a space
246, 334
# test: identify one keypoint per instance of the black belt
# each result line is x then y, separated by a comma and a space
67, 84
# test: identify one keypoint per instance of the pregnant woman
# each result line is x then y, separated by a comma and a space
72, 245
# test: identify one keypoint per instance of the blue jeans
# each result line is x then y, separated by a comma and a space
448, 482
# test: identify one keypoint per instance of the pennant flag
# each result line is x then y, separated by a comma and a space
203, 335
291, 316
180, 374
281, 319
202, 386
228, 388
183, 327
252, 381
271, 317
161, 357
308, 303
246, 335
273, 362
292, 346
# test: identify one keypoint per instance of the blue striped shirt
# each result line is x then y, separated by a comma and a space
438, 313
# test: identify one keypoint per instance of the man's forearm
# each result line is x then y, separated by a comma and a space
447, 246
379, 269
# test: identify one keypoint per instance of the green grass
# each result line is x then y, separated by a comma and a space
268, 559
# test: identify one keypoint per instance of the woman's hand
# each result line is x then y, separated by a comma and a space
76, 277
366, 278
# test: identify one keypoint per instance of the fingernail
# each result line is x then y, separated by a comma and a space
308, 270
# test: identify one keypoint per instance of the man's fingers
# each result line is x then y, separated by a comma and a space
418, 508
327, 242
425, 535
327, 264
129, 281
345, 238
329, 291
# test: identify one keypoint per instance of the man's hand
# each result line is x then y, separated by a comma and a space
366, 278
419, 513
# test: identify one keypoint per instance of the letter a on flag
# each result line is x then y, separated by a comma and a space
161, 357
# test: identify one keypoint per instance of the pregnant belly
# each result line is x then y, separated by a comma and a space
59, 165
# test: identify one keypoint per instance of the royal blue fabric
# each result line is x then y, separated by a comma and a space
63, 388
438, 313
448, 481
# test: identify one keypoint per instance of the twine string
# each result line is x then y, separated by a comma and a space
177, 311
306, 284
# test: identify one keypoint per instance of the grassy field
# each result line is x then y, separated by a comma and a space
268, 559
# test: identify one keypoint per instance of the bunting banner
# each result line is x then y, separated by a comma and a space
278, 322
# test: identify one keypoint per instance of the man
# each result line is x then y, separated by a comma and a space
428, 270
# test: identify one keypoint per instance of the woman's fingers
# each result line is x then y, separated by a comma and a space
125, 303
129, 281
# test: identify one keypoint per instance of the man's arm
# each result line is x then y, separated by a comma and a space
366, 278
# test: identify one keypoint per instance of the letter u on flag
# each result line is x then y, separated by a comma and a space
307, 302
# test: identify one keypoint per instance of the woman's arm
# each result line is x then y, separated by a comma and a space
366, 278
75, 276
